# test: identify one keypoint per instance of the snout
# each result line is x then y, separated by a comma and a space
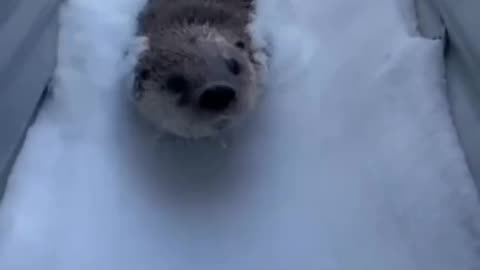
217, 98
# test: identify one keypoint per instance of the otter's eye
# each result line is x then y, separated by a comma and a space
240, 44
233, 66
177, 83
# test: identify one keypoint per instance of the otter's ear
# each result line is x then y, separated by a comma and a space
144, 74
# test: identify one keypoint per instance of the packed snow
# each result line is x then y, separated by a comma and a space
351, 161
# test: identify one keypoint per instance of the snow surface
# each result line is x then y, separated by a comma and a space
351, 163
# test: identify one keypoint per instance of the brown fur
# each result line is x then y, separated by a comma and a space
194, 38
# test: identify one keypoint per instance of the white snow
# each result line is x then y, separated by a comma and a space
351, 163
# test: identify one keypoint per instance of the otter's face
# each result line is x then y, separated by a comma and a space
195, 83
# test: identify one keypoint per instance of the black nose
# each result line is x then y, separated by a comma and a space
217, 98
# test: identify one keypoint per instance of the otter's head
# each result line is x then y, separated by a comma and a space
195, 81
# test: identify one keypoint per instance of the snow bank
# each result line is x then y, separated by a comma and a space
351, 163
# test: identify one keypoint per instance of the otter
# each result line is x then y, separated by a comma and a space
198, 71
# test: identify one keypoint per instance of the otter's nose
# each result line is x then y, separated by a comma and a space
217, 98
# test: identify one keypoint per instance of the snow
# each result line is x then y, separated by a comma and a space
351, 162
